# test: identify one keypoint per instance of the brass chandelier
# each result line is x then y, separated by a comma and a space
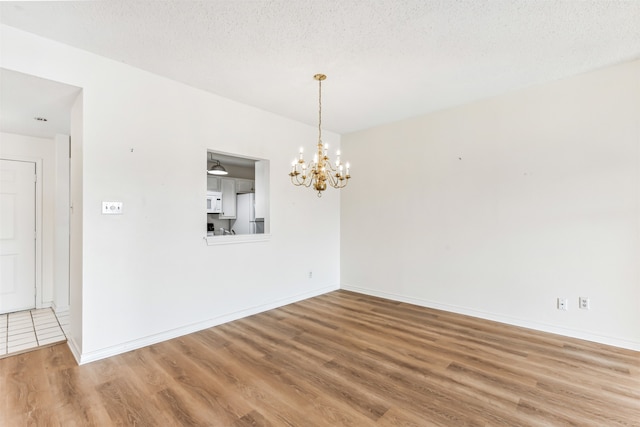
319, 172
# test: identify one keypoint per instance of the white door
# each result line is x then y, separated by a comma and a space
17, 235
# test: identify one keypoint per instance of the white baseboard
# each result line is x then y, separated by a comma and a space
92, 356
61, 309
543, 327
75, 350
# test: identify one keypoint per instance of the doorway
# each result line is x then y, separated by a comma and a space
45, 140
17, 235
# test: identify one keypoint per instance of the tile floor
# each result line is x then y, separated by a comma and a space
27, 330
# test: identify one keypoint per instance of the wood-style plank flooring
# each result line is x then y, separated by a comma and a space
337, 359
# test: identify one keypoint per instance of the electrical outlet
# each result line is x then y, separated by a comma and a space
584, 303
563, 304
111, 208
310, 274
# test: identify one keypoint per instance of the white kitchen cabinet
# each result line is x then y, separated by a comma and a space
228, 188
213, 183
244, 186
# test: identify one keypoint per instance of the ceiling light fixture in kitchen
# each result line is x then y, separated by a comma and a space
217, 168
319, 171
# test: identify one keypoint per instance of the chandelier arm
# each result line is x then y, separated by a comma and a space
331, 179
331, 167
298, 179
298, 182
337, 182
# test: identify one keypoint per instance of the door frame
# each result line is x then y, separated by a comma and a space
38, 267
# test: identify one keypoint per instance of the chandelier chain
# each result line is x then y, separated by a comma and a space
319, 111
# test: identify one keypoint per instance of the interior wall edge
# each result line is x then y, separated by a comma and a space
74, 348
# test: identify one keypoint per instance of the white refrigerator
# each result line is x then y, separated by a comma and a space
245, 222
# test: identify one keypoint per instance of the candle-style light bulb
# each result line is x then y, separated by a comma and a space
301, 152
347, 168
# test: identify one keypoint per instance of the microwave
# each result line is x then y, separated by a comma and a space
214, 202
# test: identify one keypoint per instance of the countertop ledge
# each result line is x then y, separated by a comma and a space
237, 238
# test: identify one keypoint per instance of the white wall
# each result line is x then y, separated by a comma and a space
148, 274
497, 208
61, 228
21, 147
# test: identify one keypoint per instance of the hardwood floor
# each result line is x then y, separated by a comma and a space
337, 359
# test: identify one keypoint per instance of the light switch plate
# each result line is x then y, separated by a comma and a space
111, 208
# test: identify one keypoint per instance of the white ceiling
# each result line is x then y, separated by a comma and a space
386, 60
25, 98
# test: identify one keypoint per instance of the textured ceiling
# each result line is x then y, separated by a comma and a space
385, 59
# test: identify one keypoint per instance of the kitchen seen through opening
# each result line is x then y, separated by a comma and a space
237, 195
